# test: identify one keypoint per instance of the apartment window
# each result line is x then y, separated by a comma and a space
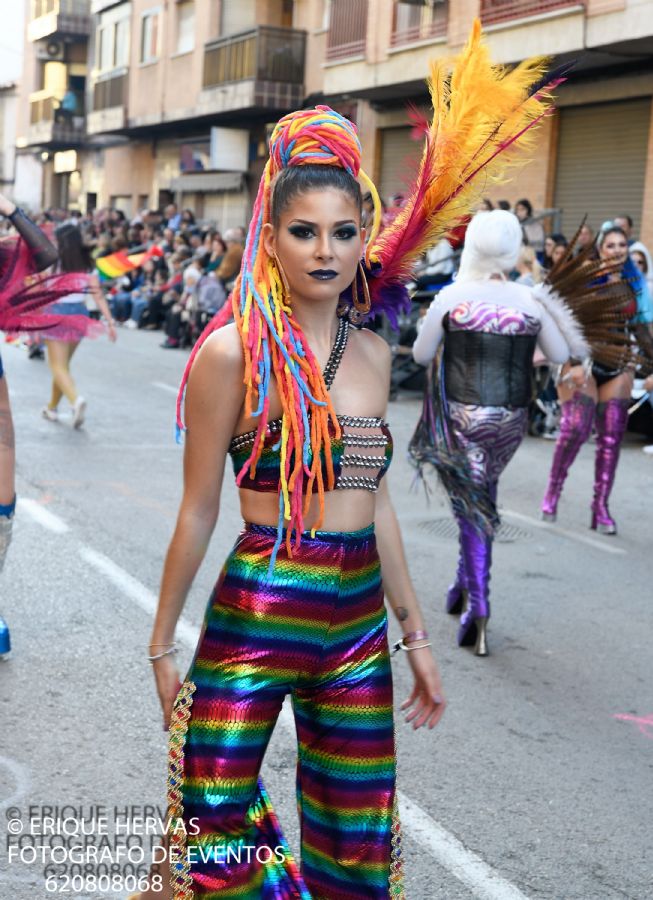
106, 47
113, 41
186, 26
150, 37
238, 15
122, 31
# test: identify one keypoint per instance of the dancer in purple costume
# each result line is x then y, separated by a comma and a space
601, 397
489, 328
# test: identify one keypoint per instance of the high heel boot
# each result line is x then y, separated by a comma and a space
457, 592
478, 559
575, 428
611, 423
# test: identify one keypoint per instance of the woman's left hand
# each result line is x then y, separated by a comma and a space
426, 698
648, 384
111, 328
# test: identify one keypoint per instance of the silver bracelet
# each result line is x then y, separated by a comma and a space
168, 652
401, 646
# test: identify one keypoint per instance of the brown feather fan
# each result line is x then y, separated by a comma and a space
598, 304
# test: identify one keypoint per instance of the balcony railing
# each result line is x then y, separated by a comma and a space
262, 54
50, 123
68, 17
504, 10
413, 22
347, 29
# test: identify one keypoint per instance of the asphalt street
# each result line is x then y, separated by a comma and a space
537, 783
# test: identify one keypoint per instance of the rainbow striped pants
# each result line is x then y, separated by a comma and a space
316, 630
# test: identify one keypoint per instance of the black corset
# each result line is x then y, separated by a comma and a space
489, 369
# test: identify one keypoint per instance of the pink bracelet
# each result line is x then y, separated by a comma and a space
415, 636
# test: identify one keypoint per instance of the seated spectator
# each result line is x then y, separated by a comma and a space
181, 241
218, 250
230, 265
586, 237
187, 218
559, 250
172, 217
626, 224
503, 204
170, 291
167, 243
141, 293
528, 267
180, 313
550, 243
532, 229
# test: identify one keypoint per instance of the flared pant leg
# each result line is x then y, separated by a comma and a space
317, 630
346, 751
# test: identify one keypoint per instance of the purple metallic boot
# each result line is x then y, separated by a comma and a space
611, 423
477, 549
457, 592
575, 429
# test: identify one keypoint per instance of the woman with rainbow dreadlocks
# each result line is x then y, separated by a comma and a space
296, 397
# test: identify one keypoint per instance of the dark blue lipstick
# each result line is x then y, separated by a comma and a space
323, 274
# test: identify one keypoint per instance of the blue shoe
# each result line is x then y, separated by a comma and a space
5, 640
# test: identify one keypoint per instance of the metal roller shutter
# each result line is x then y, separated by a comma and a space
602, 162
400, 155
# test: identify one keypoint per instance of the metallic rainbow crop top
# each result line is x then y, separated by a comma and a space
361, 456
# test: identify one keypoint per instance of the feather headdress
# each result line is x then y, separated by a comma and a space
597, 301
484, 119
482, 115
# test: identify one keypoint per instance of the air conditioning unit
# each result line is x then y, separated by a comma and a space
52, 50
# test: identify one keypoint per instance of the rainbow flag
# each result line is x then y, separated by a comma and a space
118, 264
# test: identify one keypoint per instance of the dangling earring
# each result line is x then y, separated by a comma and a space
359, 309
284, 279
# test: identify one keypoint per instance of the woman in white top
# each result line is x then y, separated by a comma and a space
490, 328
63, 340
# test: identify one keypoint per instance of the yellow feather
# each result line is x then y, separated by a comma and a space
477, 107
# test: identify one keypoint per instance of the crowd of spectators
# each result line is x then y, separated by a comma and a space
186, 282
180, 286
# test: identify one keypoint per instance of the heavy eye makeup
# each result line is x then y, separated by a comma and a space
305, 231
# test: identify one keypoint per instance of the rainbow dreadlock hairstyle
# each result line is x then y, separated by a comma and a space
482, 114
273, 343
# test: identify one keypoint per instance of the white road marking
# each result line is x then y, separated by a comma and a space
43, 516
453, 856
165, 387
450, 853
21, 778
186, 633
598, 544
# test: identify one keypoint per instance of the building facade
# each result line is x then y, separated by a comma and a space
174, 98
594, 156
172, 101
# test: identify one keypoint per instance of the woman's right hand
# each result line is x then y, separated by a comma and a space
576, 376
168, 683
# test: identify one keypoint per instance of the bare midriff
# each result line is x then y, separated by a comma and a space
343, 510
